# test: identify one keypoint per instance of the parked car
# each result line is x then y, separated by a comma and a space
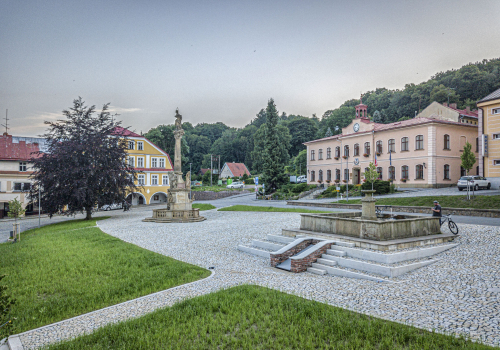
236, 184
475, 182
302, 179
113, 206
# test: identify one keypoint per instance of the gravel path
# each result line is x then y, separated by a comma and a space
459, 294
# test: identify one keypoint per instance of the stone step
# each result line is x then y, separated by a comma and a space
255, 251
335, 252
280, 239
267, 245
316, 271
345, 244
336, 271
326, 262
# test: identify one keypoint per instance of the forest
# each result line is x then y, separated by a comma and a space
464, 86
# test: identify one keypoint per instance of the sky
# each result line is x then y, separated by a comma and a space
223, 60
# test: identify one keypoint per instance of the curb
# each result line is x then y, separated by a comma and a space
14, 341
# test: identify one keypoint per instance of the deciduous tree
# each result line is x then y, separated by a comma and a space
85, 163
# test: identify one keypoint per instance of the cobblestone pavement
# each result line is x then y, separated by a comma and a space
459, 294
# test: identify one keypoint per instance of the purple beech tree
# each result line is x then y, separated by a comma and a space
84, 164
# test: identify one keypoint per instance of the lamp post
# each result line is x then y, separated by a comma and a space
190, 191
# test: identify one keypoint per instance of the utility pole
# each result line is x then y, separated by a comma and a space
190, 175
211, 169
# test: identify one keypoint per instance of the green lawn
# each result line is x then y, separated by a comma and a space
251, 317
203, 206
271, 209
70, 268
216, 188
480, 202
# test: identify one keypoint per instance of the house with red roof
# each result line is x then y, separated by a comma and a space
15, 169
420, 152
449, 112
153, 165
233, 170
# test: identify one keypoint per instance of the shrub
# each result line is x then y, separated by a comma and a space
380, 186
249, 181
244, 177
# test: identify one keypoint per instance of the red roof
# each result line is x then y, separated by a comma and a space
125, 132
472, 114
16, 151
203, 171
238, 169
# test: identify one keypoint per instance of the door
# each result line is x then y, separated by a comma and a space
356, 176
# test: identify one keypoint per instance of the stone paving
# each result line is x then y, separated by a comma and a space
459, 294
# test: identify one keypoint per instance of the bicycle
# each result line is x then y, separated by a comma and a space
451, 224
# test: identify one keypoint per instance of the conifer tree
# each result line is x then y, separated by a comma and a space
273, 175
329, 132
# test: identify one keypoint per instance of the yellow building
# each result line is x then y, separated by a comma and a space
154, 165
489, 134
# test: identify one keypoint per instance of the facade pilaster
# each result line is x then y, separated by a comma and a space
431, 155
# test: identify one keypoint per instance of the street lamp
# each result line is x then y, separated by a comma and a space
190, 175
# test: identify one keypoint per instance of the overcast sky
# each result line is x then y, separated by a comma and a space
223, 60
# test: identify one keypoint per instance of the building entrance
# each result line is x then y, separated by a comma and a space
356, 176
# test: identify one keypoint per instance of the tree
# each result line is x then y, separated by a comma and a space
328, 132
371, 174
259, 141
377, 117
273, 175
16, 209
206, 178
6, 303
300, 162
84, 164
443, 94
468, 158
301, 130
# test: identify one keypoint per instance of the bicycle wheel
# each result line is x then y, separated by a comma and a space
453, 227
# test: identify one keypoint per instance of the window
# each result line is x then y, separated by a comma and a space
131, 162
496, 162
320, 154
392, 173
405, 144
462, 171
312, 154
141, 179
367, 148
328, 153
496, 136
164, 180
140, 162
162, 163
477, 144
328, 175
346, 151
140, 146
346, 174
320, 175
404, 172
313, 176
495, 111
356, 149
22, 166
156, 197
391, 146
379, 147
419, 142
22, 186
379, 171
337, 152
337, 174
154, 162
446, 172
447, 141
367, 169
419, 172
131, 145
154, 179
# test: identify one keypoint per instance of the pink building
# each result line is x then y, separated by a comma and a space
420, 152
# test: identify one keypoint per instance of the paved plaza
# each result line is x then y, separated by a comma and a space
458, 295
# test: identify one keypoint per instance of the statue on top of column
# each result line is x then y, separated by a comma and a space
178, 120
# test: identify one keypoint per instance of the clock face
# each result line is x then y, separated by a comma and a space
356, 127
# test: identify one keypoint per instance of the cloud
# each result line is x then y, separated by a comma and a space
121, 110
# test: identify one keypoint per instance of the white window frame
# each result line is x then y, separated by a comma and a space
164, 180
154, 162
140, 162
161, 163
154, 180
23, 166
496, 162
131, 162
495, 137
140, 146
495, 110
131, 145
141, 179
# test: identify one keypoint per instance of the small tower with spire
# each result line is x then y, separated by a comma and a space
361, 109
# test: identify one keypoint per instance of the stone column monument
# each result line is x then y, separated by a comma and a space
179, 205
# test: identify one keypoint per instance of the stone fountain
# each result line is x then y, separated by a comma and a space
179, 205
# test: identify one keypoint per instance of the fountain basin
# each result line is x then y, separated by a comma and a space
383, 229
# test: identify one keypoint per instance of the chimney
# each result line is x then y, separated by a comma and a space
467, 109
445, 104
453, 105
